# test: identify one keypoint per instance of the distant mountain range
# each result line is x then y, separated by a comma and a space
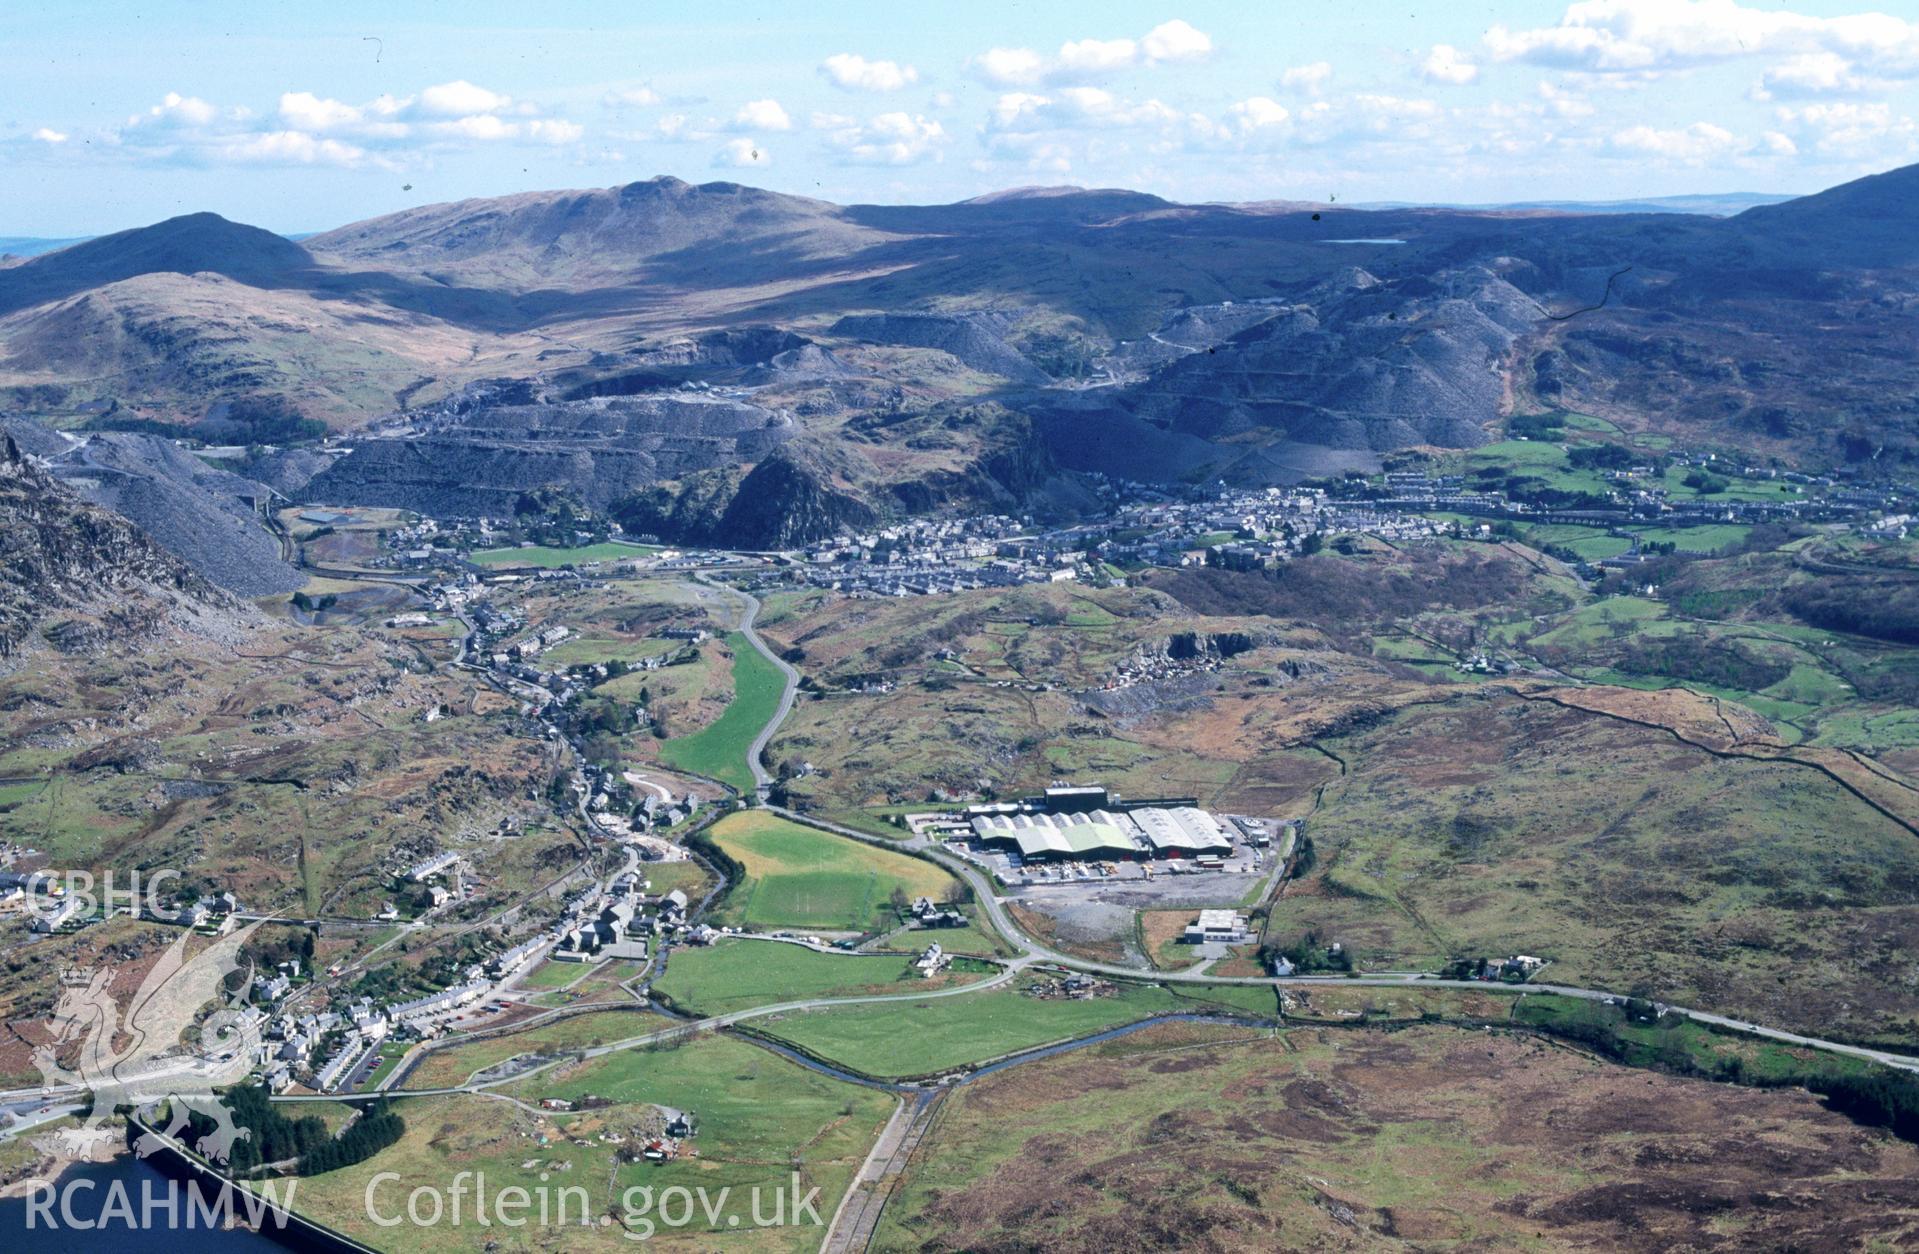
879, 359
33, 246
1716, 205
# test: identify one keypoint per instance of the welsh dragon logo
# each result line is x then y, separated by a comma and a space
140, 1056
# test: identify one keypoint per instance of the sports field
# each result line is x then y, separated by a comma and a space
803, 878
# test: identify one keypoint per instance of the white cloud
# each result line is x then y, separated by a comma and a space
459, 99
1081, 60
1078, 107
1860, 132
1176, 41
856, 73
1310, 79
554, 131
1368, 117
484, 127
304, 111
1447, 64
762, 115
1700, 142
47, 135
1811, 74
1092, 58
889, 139
1614, 36
630, 97
1564, 104
289, 148
1257, 114
306, 128
742, 153
175, 110
1010, 67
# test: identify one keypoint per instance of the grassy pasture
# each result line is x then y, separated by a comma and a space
736, 974
927, 1037
761, 1119
719, 750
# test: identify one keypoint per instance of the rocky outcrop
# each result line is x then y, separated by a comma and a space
1355, 363
976, 340
210, 519
478, 459
86, 576
781, 504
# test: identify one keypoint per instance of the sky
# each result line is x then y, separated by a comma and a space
300, 117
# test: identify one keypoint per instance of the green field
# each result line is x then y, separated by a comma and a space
719, 750
25, 790
803, 878
761, 1119
1698, 539
587, 650
554, 975
1677, 1042
455, 1062
1592, 544
735, 974
542, 556
941, 1033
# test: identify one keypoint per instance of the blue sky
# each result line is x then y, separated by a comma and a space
301, 117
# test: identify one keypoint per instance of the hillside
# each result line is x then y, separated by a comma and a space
83, 577
1136, 336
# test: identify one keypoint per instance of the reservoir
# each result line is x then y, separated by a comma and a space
91, 1206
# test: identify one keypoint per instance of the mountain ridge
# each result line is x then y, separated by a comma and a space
1133, 335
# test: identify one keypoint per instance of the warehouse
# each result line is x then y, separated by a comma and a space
1096, 834
1185, 832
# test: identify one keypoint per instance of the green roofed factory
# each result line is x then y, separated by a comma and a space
1071, 823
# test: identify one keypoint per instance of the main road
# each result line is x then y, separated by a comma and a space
1031, 951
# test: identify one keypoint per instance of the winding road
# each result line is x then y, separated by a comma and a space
748, 615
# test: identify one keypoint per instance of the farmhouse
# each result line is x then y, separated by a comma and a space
932, 961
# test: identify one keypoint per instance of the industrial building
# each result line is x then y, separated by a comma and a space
1040, 837
1101, 834
1224, 927
1184, 832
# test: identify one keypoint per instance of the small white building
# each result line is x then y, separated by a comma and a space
1217, 927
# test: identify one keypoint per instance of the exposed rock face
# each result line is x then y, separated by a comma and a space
781, 504
975, 339
1254, 343
207, 518
88, 577
479, 460
1357, 363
